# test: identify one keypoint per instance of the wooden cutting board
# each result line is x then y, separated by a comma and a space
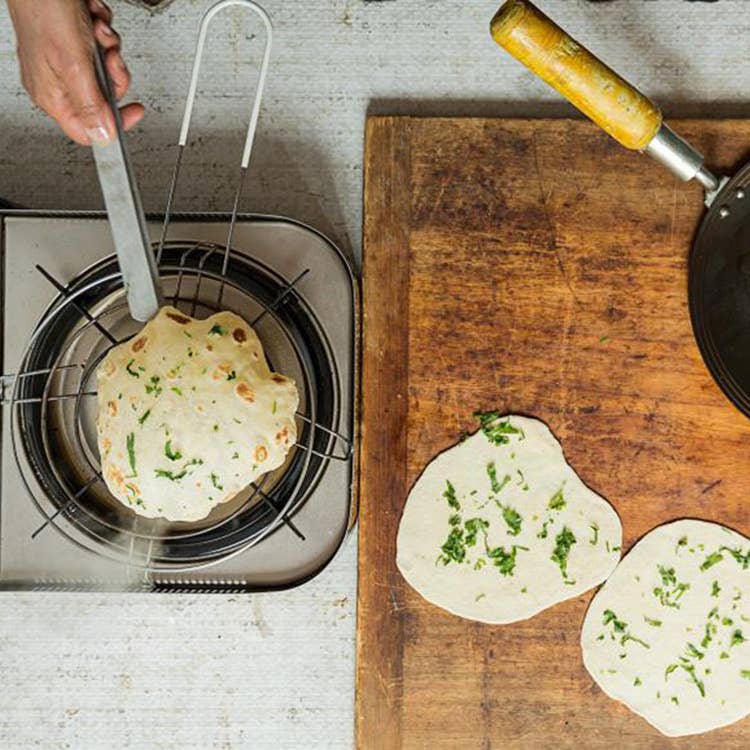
531, 266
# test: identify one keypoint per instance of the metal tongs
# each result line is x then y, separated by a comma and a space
126, 219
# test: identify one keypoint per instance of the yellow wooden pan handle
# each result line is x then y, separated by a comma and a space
610, 101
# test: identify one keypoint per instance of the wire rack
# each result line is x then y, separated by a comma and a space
52, 396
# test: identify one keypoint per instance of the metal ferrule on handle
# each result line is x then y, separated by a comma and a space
601, 94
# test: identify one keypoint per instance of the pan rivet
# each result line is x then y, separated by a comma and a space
723, 212
740, 193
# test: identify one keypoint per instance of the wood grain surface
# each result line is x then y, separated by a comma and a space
538, 268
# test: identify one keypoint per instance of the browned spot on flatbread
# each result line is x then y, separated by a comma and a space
278, 378
260, 454
115, 476
221, 372
181, 319
139, 344
239, 335
107, 445
108, 368
283, 436
210, 347
245, 392
112, 408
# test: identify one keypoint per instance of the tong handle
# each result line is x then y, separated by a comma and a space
547, 50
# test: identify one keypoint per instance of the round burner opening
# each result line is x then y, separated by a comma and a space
53, 419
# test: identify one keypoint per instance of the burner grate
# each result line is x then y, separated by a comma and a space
53, 407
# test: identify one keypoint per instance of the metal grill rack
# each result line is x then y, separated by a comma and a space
52, 409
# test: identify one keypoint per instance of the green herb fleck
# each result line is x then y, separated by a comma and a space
473, 526
144, 417
681, 542
715, 588
652, 622
169, 453
154, 387
177, 390
564, 541
492, 474
594, 534
479, 596
495, 429
711, 560
737, 638
130, 371
453, 549
130, 444
620, 627
745, 673
504, 561
480, 563
215, 481
164, 473
273, 407
513, 519
217, 330
232, 375
450, 496
742, 558
557, 501
637, 682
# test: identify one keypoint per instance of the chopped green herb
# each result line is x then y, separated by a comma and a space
479, 596
745, 673
711, 560
188, 334
693, 651
130, 444
715, 588
154, 387
681, 542
564, 541
232, 375
480, 563
169, 453
668, 577
669, 597
504, 561
543, 533
235, 455
450, 496
215, 481
742, 558
128, 367
737, 638
723, 655
144, 417
216, 428
273, 407
217, 330
524, 590
595, 534
652, 622
727, 621
492, 474
513, 519
620, 627
675, 700
177, 390
557, 501
453, 549
604, 339
473, 526
170, 475
637, 682
496, 430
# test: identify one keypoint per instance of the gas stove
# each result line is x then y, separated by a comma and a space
64, 306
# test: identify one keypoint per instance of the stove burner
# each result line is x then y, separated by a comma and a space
54, 407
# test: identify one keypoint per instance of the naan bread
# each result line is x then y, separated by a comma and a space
669, 633
190, 414
499, 527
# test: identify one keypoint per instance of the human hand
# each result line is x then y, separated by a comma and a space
55, 43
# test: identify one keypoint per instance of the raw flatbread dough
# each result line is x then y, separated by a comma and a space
190, 414
499, 532
678, 608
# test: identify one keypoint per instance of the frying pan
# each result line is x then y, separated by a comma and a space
719, 264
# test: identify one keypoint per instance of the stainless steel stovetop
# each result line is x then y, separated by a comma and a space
51, 543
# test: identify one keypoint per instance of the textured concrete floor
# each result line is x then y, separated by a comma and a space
276, 671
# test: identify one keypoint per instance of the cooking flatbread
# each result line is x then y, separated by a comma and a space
669, 632
499, 527
190, 414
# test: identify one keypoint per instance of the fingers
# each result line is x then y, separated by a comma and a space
118, 72
131, 115
99, 9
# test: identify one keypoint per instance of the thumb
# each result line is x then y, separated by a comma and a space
90, 111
